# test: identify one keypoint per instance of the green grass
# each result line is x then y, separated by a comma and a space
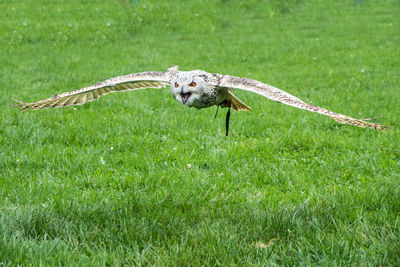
109, 183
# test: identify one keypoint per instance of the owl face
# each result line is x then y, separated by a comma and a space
188, 88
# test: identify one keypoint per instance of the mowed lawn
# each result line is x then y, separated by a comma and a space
136, 178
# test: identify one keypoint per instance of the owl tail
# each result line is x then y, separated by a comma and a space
238, 105
357, 122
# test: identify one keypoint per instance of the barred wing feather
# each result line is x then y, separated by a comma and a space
134, 81
278, 95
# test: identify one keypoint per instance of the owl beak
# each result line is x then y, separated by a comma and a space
185, 97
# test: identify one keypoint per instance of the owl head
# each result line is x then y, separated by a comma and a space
190, 88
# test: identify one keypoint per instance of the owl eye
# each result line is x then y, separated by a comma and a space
176, 84
192, 84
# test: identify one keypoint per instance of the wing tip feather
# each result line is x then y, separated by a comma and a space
360, 123
19, 104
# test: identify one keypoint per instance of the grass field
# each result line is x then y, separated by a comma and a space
137, 178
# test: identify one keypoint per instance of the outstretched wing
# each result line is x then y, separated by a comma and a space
134, 81
278, 95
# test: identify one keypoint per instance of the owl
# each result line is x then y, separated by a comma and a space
195, 88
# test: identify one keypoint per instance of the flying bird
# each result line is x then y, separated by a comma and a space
195, 88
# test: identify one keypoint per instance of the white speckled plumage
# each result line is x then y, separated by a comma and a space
195, 88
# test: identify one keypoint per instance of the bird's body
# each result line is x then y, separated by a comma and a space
195, 88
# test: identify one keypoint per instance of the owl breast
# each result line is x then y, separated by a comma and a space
210, 98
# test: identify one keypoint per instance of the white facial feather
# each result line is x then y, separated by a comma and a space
193, 88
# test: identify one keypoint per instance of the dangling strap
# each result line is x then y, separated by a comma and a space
216, 113
228, 114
